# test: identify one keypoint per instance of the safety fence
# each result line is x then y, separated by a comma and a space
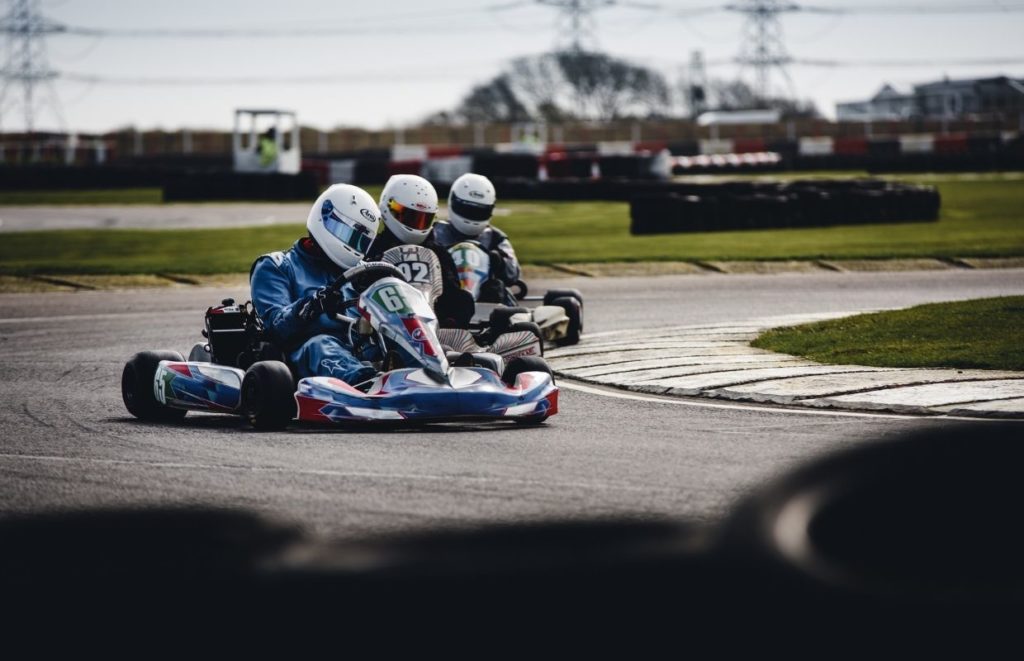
210, 178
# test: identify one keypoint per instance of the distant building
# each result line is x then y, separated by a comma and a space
887, 104
944, 99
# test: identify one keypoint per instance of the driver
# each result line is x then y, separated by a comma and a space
470, 206
408, 205
290, 289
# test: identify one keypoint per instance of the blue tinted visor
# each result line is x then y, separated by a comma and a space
357, 237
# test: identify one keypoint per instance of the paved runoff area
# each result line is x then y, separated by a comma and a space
717, 361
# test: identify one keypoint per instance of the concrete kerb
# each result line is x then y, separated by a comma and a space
716, 361
11, 283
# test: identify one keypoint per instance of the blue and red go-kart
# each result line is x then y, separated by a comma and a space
557, 315
238, 372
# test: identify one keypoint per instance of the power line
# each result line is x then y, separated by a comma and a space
320, 28
575, 18
25, 62
762, 46
983, 61
449, 72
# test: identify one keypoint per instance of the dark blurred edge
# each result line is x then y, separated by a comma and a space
904, 534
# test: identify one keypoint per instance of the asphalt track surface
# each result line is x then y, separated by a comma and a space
68, 441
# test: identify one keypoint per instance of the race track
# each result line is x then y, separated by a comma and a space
68, 442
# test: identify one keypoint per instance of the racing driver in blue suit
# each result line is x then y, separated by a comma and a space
291, 293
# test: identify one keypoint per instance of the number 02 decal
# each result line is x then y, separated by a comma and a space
415, 271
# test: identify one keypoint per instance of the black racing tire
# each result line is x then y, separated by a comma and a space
199, 354
551, 294
531, 421
499, 319
137, 387
268, 395
521, 364
528, 326
574, 311
517, 366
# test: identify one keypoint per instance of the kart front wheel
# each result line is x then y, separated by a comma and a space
137, 387
521, 364
268, 395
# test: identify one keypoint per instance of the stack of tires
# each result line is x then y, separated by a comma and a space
811, 203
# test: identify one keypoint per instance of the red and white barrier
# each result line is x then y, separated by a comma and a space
917, 144
816, 146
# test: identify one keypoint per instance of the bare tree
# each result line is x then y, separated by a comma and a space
565, 85
495, 101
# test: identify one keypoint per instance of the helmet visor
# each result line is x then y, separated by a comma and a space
414, 219
354, 235
471, 210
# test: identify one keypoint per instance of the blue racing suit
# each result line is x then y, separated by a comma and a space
282, 282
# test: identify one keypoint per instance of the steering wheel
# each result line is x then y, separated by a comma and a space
365, 274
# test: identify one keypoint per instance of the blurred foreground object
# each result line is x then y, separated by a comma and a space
911, 528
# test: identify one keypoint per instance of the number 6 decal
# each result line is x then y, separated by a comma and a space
391, 299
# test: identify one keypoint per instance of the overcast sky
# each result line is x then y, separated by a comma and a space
388, 63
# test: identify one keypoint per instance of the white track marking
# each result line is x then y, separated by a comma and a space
91, 317
562, 383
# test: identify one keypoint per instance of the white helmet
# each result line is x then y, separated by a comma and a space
471, 203
408, 204
344, 222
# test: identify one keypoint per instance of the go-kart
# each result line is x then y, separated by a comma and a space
558, 317
237, 371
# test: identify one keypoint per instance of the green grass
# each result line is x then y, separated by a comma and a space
980, 218
982, 334
82, 197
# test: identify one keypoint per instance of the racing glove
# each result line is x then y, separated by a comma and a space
326, 299
497, 265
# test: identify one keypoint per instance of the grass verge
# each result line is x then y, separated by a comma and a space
82, 197
982, 334
981, 217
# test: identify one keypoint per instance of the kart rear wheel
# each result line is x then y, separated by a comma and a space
551, 294
575, 313
268, 395
200, 354
137, 387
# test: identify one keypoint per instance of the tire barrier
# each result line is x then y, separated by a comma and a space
628, 167
206, 186
78, 178
369, 171
812, 203
569, 166
499, 166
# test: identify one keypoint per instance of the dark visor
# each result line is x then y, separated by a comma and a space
472, 210
414, 219
354, 235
